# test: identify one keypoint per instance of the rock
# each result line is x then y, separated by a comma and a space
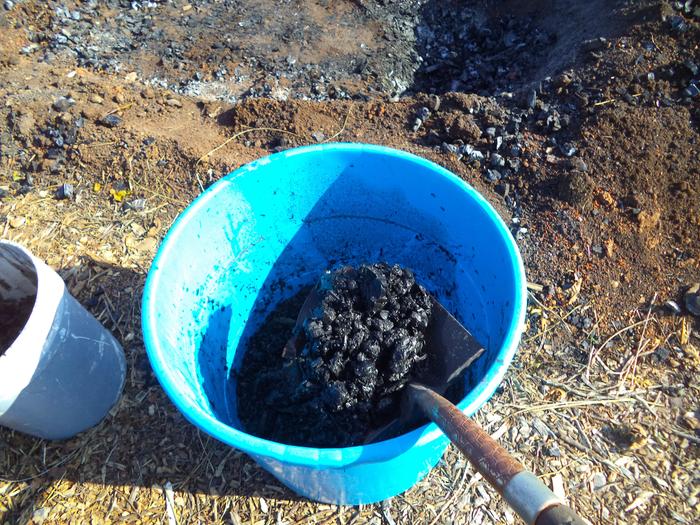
40, 516
677, 24
65, 191
96, 99
578, 164
692, 299
609, 247
595, 44
541, 427
503, 189
148, 93
111, 121
567, 149
473, 155
672, 307
661, 354
136, 205
173, 102
497, 161
493, 175
8, 5
62, 104
449, 148
318, 136
692, 90
553, 450
598, 481
531, 99
17, 222
423, 113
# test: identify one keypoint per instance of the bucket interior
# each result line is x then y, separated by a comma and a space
266, 231
18, 291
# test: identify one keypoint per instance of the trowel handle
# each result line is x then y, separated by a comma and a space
522, 490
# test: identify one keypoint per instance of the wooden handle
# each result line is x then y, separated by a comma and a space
487, 456
522, 490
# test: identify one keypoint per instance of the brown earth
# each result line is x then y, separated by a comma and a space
608, 236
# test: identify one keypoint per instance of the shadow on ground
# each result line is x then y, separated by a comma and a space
492, 47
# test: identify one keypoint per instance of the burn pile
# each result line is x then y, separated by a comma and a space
352, 357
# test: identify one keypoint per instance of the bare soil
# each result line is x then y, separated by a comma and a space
589, 106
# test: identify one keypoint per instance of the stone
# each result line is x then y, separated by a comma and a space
173, 102
598, 480
17, 222
96, 99
692, 299
531, 99
493, 175
567, 149
62, 104
65, 191
497, 161
111, 121
692, 90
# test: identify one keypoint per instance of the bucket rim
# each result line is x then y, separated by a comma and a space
342, 456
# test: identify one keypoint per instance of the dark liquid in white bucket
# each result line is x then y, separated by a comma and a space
18, 288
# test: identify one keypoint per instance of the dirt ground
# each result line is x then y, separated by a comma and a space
584, 117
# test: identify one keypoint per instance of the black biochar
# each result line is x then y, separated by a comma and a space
354, 355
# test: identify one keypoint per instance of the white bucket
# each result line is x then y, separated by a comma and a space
62, 370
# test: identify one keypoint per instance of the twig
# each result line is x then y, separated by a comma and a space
569, 404
635, 355
98, 144
689, 437
596, 351
553, 326
342, 128
604, 102
116, 110
240, 133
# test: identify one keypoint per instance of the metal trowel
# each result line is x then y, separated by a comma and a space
453, 348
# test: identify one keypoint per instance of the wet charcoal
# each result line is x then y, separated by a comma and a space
357, 352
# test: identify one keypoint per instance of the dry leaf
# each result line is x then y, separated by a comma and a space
640, 500
118, 196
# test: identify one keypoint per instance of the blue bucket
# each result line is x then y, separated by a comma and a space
270, 228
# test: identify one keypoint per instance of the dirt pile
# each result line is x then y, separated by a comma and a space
352, 358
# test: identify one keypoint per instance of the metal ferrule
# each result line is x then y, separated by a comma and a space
528, 496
